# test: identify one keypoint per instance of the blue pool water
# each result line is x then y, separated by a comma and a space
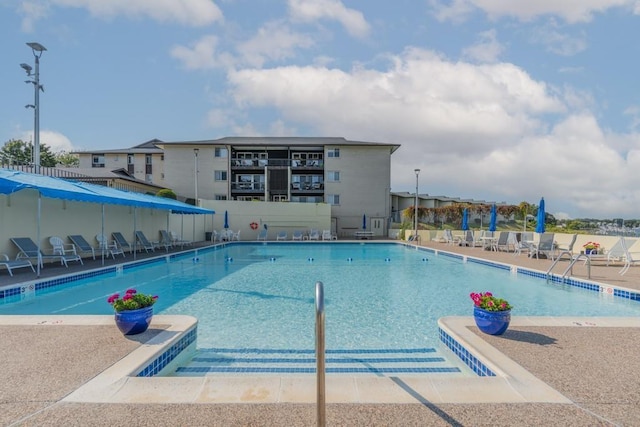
376, 295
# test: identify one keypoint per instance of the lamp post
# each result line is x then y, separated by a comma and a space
37, 50
195, 154
415, 211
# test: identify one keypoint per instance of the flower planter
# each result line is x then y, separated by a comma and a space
492, 322
131, 322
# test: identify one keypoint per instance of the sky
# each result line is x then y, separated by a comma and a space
495, 100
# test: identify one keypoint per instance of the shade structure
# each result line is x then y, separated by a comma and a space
465, 219
13, 181
541, 217
364, 222
226, 219
492, 221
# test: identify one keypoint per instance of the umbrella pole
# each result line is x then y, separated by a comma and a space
103, 243
135, 240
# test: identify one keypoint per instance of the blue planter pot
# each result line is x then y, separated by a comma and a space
492, 322
131, 322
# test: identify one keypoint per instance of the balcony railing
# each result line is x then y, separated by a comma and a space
248, 187
261, 163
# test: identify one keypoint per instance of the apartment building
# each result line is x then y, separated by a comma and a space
144, 162
352, 176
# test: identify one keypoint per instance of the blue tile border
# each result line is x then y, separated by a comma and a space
469, 359
156, 365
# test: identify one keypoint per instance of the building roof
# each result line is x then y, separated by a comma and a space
149, 147
277, 141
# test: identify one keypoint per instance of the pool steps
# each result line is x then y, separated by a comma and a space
338, 361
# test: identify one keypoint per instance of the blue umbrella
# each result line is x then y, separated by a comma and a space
541, 217
492, 222
364, 222
465, 219
226, 219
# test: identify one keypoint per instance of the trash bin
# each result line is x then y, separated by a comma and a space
207, 236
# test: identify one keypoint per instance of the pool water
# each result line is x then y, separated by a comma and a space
378, 296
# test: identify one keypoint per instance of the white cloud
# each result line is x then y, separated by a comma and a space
194, 13
478, 131
560, 43
572, 11
201, 54
312, 10
274, 41
56, 141
32, 11
487, 49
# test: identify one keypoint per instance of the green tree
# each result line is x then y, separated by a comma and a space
166, 193
67, 159
18, 152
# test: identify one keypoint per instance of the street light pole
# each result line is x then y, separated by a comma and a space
37, 50
415, 211
195, 153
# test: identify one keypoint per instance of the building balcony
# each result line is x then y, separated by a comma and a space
247, 164
247, 187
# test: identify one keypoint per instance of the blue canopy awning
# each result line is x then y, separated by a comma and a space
14, 181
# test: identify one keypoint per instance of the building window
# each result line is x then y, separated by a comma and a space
147, 159
221, 152
333, 152
333, 199
220, 175
97, 161
220, 197
129, 159
333, 176
162, 157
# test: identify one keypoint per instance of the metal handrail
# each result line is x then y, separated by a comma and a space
320, 369
570, 267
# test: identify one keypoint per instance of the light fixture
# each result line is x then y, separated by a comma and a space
37, 50
195, 171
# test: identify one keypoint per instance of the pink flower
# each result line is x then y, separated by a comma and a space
127, 297
131, 291
113, 298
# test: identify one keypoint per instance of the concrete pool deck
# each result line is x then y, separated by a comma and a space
591, 368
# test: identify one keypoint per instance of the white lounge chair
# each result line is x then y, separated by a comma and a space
314, 234
65, 250
29, 250
282, 235
297, 235
630, 258
178, 241
11, 264
110, 247
326, 234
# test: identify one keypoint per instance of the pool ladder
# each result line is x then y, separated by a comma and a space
569, 269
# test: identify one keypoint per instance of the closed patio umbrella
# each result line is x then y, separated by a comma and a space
226, 219
364, 222
492, 222
541, 217
465, 219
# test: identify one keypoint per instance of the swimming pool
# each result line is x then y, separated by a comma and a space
378, 296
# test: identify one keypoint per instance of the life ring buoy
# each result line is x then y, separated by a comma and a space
254, 225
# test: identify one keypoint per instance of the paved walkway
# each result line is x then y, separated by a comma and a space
596, 368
